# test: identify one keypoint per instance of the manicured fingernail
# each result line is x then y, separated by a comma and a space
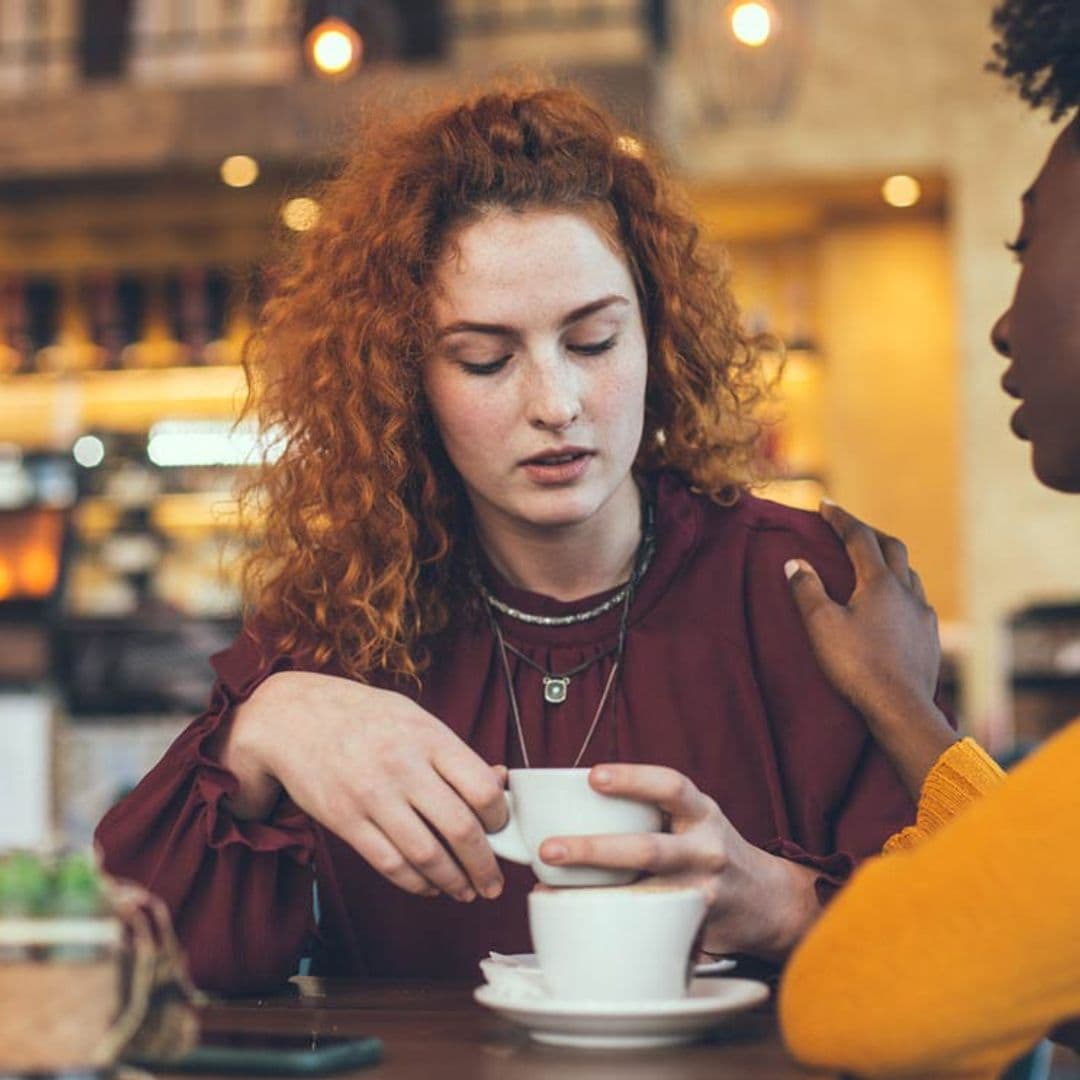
791, 568
554, 852
493, 889
602, 776
826, 501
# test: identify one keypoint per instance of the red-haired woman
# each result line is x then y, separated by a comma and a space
509, 526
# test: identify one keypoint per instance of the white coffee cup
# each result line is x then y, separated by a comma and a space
623, 944
559, 802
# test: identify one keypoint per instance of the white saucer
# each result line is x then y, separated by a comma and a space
610, 1025
527, 961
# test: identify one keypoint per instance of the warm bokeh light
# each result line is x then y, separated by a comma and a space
901, 190
300, 214
334, 48
629, 145
37, 571
239, 170
751, 23
7, 580
88, 451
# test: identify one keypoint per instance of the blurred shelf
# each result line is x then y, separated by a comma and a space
1046, 680
42, 412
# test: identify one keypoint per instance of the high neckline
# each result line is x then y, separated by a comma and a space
677, 517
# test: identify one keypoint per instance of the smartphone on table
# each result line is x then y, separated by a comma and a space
252, 1053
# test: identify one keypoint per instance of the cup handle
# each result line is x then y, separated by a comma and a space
508, 842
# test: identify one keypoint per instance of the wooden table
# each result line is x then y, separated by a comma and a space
435, 1030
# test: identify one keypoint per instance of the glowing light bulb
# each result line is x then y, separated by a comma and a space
239, 171
334, 48
300, 214
901, 190
751, 23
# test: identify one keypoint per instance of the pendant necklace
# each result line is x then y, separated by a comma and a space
617, 650
556, 684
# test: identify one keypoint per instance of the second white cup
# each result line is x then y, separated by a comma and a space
618, 945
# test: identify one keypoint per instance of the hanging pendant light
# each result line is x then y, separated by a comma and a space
744, 58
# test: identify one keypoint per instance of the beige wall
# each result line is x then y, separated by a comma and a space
887, 333
891, 87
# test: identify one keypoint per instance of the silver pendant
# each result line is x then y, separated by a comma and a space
555, 688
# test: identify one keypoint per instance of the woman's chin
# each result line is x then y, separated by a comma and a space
1059, 472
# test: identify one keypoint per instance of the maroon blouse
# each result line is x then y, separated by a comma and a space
718, 681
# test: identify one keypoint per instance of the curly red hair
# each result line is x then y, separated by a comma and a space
362, 514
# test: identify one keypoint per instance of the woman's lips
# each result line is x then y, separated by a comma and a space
1016, 422
558, 469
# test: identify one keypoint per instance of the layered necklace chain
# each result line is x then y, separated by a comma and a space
642, 558
556, 684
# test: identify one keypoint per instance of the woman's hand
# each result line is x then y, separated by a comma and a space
881, 649
377, 770
757, 903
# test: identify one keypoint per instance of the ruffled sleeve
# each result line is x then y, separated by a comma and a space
240, 892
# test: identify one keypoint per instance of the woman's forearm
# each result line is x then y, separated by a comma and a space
913, 735
800, 910
243, 753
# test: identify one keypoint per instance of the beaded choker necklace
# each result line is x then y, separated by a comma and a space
642, 557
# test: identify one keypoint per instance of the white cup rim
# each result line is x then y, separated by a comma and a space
618, 893
533, 769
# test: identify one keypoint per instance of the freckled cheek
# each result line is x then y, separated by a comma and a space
474, 428
620, 400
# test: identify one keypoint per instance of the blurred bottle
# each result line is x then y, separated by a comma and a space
70, 348
187, 302
15, 348
106, 316
230, 308
157, 345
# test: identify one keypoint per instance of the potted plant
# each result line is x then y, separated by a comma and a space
82, 960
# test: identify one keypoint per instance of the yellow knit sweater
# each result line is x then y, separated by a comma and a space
961, 949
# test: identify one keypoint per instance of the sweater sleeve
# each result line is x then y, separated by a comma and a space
240, 892
963, 773
951, 959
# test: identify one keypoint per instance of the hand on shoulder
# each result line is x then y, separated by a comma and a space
881, 648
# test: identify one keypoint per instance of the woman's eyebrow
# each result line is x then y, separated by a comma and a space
501, 330
586, 310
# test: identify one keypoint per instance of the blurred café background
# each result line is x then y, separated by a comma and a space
852, 155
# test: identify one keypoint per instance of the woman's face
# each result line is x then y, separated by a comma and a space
537, 383
1040, 332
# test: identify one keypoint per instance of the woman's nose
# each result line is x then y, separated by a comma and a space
554, 399
999, 333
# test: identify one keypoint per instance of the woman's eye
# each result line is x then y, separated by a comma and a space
593, 348
485, 369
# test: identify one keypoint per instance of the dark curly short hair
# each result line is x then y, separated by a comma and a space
1038, 48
